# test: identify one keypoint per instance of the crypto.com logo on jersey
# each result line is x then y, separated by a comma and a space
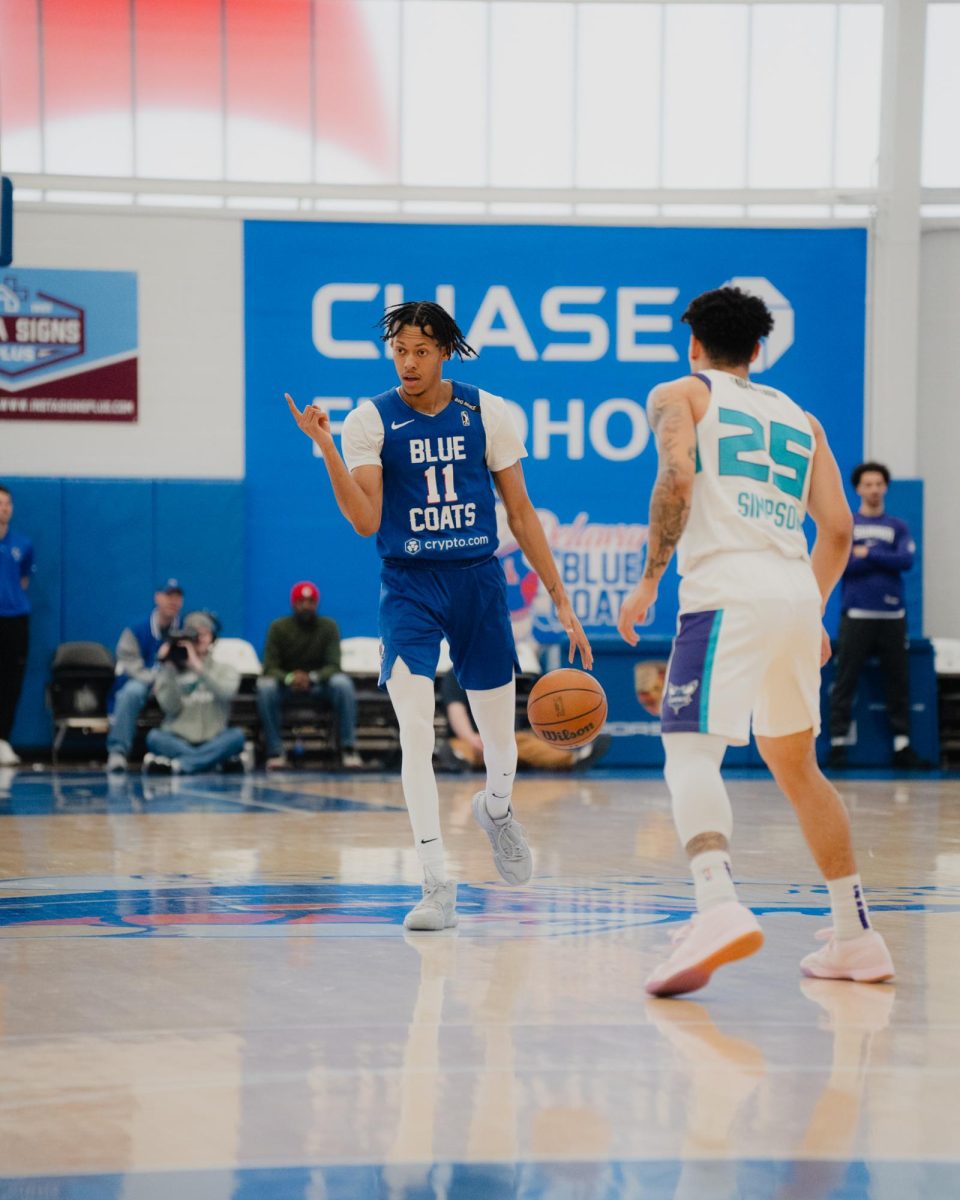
573, 325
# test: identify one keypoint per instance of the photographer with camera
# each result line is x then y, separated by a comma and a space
137, 669
195, 694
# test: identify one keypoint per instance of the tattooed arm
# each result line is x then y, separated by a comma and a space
670, 412
671, 419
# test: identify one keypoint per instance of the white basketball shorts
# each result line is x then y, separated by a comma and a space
747, 647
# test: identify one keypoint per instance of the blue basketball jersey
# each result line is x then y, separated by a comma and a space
438, 498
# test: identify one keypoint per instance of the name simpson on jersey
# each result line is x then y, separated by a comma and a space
780, 513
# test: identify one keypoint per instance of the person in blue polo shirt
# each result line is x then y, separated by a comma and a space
874, 618
137, 670
16, 567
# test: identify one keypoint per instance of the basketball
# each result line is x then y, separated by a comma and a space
567, 708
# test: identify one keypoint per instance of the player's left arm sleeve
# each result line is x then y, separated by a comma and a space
504, 444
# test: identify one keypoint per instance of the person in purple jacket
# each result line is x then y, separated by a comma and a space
874, 620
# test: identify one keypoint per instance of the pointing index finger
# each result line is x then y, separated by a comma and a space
290, 404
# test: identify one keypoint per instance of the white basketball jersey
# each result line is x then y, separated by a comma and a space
754, 453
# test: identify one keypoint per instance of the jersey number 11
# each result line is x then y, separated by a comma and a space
449, 492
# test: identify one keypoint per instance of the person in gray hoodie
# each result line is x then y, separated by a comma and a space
195, 693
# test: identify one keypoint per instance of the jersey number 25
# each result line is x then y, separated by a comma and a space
782, 438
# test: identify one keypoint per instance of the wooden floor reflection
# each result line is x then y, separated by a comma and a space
206, 990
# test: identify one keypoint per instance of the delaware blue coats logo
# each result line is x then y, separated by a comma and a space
37, 330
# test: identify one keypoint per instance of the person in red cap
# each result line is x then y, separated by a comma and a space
301, 659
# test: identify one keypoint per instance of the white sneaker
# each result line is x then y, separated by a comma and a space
351, 760
511, 854
116, 762
8, 756
709, 939
864, 959
248, 757
437, 908
157, 764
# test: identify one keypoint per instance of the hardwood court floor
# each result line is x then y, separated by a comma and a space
206, 992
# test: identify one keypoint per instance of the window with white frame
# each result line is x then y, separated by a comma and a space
463, 96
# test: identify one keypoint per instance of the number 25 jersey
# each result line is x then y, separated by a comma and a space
754, 453
438, 500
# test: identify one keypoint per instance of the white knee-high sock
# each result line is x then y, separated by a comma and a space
495, 712
701, 806
414, 703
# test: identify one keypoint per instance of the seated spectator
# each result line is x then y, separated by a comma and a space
137, 670
464, 748
195, 694
301, 661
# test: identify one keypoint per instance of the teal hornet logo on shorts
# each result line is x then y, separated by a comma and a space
412, 546
679, 695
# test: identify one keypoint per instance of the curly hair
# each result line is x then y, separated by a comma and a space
728, 323
431, 320
863, 468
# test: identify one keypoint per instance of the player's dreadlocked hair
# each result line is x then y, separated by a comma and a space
728, 324
430, 319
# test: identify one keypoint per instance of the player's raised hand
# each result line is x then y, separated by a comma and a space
634, 610
314, 421
574, 631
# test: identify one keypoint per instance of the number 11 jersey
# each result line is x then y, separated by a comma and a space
754, 452
439, 506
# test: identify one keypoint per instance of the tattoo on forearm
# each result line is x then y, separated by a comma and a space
668, 517
669, 501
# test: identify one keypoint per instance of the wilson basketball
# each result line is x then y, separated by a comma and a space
567, 708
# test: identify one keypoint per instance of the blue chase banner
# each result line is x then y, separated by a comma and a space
574, 325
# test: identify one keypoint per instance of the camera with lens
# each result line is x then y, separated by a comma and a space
177, 652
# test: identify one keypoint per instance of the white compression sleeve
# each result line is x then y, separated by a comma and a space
495, 712
692, 772
413, 702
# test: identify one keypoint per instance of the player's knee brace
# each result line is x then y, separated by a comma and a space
692, 771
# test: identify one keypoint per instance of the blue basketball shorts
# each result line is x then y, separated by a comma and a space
419, 606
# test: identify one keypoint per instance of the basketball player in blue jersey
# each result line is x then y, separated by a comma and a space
420, 464
740, 466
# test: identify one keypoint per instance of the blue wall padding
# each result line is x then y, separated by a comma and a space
199, 539
107, 556
102, 546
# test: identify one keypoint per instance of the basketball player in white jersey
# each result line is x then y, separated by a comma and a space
740, 465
